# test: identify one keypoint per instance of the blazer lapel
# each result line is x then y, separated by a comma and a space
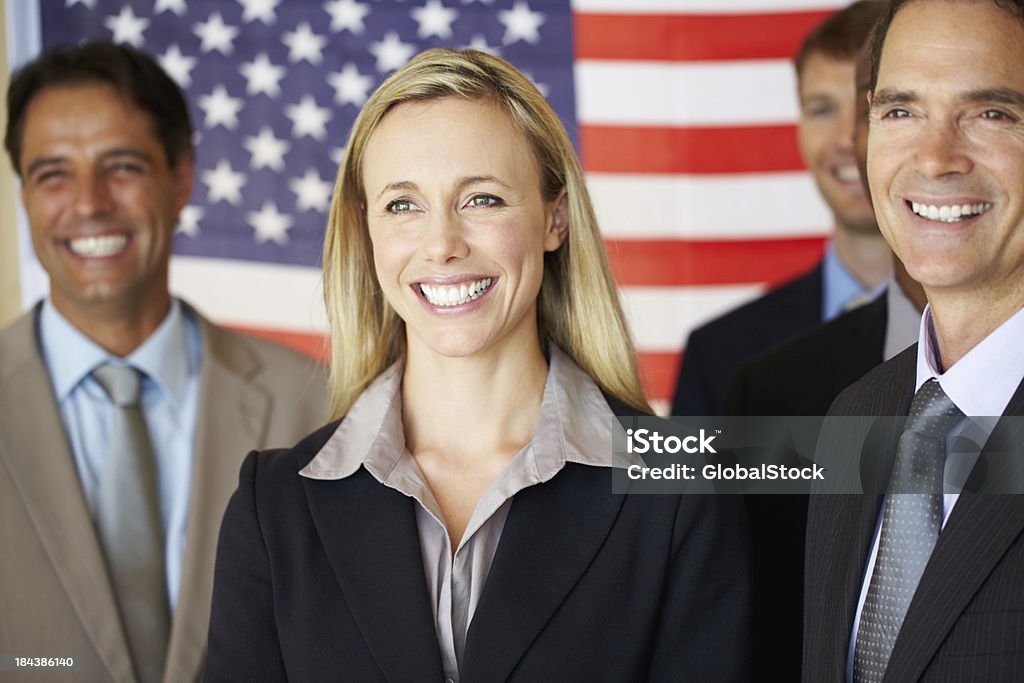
551, 535
370, 537
34, 447
232, 411
845, 524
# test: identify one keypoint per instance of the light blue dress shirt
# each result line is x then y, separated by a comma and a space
170, 360
840, 287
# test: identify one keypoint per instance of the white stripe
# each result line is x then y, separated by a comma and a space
702, 6
661, 318
288, 298
708, 206
742, 92
268, 295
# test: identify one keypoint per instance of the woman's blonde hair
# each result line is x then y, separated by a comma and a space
578, 307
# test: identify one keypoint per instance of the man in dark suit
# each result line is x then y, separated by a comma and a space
101, 140
803, 377
923, 582
857, 260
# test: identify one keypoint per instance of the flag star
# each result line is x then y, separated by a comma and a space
304, 44
220, 108
391, 53
542, 87
259, 9
267, 151
311, 192
224, 184
215, 35
350, 86
91, 4
262, 76
521, 23
126, 27
308, 119
479, 42
178, 65
434, 19
347, 15
188, 221
176, 6
337, 154
269, 224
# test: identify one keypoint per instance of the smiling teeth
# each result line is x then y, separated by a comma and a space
456, 295
949, 213
98, 246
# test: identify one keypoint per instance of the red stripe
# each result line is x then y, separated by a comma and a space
658, 372
669, 263
310, 343
692, 37
755, 149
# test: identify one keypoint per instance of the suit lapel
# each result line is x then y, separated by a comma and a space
232, 411
370, 537
550, 537
845, 524
34, 447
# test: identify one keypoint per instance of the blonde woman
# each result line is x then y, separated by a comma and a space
457, 522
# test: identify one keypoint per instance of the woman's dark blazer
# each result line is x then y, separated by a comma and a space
323, 581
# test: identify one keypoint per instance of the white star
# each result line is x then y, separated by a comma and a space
311, 192
215, 35
267, 151
220, 108
542, 87
178, 65
126, 27
479, 42
259, 9
391, 53
91, 4
269, 224
521, 23
188, 221
337, 154
176, 6
262, 76
347, 15
308, 119
349, 85
304, 44
224, 184
434, 19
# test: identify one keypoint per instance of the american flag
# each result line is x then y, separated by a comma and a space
683, 112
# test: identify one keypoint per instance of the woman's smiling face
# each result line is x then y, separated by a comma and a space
458, 224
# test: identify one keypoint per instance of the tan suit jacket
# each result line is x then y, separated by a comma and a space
55, 597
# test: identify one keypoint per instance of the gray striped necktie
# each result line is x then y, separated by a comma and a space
910, 527
128, 520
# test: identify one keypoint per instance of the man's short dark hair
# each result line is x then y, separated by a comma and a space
1015, 8
842, 35
131, 73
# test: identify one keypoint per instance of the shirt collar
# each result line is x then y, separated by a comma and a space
169, 357
839, 286
575, 425
985, 379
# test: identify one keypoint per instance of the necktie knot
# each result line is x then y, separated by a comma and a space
122, 383
932, 412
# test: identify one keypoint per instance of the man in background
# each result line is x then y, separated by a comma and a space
124, 414
857, 261
923, 582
